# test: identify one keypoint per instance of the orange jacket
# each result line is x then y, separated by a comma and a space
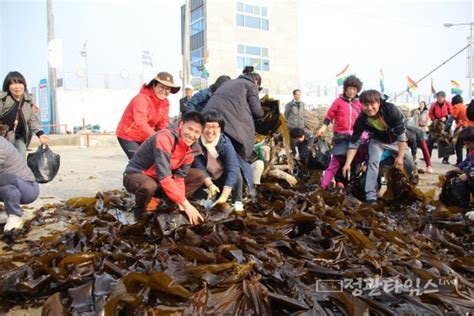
144, 115
459, 113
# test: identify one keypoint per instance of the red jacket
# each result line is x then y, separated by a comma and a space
344, 114
167, 159
438, 112
144, 115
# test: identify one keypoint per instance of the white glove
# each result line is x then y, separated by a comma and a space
470, 215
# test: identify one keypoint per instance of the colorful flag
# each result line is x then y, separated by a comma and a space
340, 77
455, 88
382, 81
204, 72
472, 90
433, 90
205, 57
411, 87
146, 58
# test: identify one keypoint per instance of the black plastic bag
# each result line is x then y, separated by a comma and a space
455, 192
445, 149
318, 155
44, 164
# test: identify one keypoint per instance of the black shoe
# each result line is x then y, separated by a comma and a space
445, 162
371, 202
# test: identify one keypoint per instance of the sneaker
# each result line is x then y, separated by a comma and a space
371, 202
429, 169
3, 217
13, 222
445, 162
340, 185
238, 206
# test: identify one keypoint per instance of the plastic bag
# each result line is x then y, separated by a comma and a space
445, 149
455, 192
44, 163
319, 155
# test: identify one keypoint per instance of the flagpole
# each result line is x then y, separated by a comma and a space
429, 73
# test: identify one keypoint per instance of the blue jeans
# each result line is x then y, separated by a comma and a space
20, 145
15, 191
376, 148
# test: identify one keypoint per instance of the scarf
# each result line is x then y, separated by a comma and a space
211, 147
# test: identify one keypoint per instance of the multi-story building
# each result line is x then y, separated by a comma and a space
226, 35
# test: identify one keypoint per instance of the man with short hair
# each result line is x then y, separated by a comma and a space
162, 162
294, 111
183, 102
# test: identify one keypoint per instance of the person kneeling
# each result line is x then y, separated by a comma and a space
162, 162
17, 184
218, 162
384, 121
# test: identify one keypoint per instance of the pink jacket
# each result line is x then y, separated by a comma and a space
344, 114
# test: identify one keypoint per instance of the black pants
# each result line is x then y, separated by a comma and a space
430, 142
128, 146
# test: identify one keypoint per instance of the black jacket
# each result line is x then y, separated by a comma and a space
237, 100
392, 118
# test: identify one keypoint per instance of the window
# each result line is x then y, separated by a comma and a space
248, 55
197, 21
252, 16
196, 68
196, 54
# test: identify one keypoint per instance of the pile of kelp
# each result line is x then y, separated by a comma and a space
300, 251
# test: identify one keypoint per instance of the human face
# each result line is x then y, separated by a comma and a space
188, 92
162, 91
351, 92
440, 99
297, 95
422, 105
17, 90
211, 131
371, 109
190, 132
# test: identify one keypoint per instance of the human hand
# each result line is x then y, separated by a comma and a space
321, 131
398, 162
193, 214
291, 180
44, 139
220, 200
213, 190
345, 171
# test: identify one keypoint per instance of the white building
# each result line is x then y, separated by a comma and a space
227, 35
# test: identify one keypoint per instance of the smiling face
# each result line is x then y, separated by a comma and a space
211, 131
16, 90
371, 108
351, 92
161, 91
190, 131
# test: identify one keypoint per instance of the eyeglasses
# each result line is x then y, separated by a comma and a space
164, 88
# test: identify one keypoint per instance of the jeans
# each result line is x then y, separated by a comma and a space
20, 145
15, 191
376, 148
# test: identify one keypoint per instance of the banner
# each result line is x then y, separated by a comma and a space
44, 105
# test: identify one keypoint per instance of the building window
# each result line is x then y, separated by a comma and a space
197, 21
252, 16
248, 55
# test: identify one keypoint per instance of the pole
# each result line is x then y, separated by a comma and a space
52, 72
436, 68
470, 64
187, 40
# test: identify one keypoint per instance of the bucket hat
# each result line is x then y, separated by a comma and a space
166, 79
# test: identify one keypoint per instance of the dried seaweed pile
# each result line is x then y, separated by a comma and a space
296, 253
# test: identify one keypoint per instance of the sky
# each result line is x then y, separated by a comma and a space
401, 37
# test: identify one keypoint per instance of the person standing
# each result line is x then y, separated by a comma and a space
439, 111
161, 165
294, 111
183, 102
460, 117
17, 112
343, 112
17, 184
146, 113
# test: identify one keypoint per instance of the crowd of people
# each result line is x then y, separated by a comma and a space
211, 154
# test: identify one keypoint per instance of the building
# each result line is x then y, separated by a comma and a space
227, 35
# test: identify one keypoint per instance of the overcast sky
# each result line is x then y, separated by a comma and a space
401, 37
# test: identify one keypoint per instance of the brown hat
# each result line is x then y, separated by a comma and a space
166, 79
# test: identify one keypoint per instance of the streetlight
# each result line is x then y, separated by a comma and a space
469, 71
83, 53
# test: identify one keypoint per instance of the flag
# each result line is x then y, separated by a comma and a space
340, 77
455, 88
433, 90
83, 52
204, 72
146, 58
411, 86
206, 56
472, 90
382, 81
